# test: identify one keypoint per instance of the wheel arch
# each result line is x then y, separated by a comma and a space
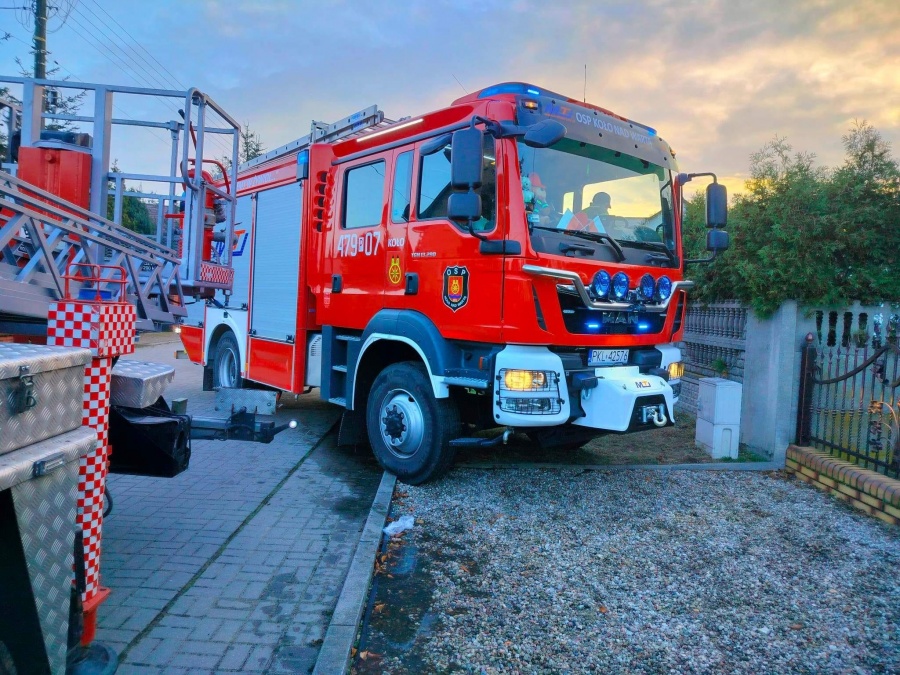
402, 335
225, 321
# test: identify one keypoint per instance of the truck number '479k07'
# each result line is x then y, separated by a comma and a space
512, 261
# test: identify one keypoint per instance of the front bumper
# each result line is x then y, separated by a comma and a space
624, 399
617, 398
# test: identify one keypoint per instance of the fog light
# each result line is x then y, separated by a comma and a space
676, 370
525, 380
531, 406
620, 284
518, 380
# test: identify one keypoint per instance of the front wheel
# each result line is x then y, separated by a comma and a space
409, 429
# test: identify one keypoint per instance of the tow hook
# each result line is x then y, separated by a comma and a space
655, 414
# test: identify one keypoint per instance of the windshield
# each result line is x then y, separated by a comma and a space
575, 187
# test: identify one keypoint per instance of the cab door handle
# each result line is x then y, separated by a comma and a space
412, 283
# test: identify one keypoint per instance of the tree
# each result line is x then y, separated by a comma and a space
251, 144
817, 235
250, 147
4, 111
54, 101
134, 212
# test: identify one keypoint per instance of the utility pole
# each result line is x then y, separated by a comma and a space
40, 39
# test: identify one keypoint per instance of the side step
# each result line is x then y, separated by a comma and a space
475, 442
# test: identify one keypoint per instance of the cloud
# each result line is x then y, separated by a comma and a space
716, 78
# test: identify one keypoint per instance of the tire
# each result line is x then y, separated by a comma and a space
409, 429
227, 363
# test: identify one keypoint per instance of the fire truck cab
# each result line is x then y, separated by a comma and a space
511, 261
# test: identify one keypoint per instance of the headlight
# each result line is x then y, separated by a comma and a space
600, 284
676, 370
620, 285
646, 287
664, 288
526, 380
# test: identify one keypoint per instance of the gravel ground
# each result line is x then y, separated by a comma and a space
542, 571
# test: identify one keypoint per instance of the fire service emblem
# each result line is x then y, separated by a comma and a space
456, 287
395, 274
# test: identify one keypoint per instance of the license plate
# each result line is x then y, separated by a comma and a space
607, 357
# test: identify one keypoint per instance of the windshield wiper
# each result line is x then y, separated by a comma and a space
590, 236
652, 246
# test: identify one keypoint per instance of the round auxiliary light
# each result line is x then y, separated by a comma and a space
647, 287
620, 285
664, 288
600, 284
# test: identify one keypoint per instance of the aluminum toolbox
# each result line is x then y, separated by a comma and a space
38, 502
41, 390
138, 384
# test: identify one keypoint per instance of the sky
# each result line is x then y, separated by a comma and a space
716, 78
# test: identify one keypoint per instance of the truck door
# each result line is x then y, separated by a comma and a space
357, 242
444, 274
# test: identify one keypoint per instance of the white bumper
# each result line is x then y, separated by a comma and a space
611, 404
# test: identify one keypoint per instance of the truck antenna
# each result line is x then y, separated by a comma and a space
585, 83
459, 83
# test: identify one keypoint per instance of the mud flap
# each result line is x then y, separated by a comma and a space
353, 428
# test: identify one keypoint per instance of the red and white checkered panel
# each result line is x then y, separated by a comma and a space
107, 329
95, 399
92, 468
70, 324
91, 487
116, 331
216, 274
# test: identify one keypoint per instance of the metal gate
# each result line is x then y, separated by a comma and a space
849, 403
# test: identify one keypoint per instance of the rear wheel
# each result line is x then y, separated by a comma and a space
227, 363
409, 429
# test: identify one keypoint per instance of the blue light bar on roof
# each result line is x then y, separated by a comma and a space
510, 88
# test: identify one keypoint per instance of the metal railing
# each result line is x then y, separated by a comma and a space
201, 118
42, 236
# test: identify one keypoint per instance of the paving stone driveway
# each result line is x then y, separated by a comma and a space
236, 564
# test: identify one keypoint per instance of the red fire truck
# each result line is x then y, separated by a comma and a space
511, 261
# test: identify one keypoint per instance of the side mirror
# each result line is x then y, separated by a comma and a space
466, 163
544, 134
464, 206
716, 205
717, 240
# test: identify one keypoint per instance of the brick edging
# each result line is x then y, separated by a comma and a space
866, 490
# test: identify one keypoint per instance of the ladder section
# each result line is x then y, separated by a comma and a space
41, 236
358, 122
